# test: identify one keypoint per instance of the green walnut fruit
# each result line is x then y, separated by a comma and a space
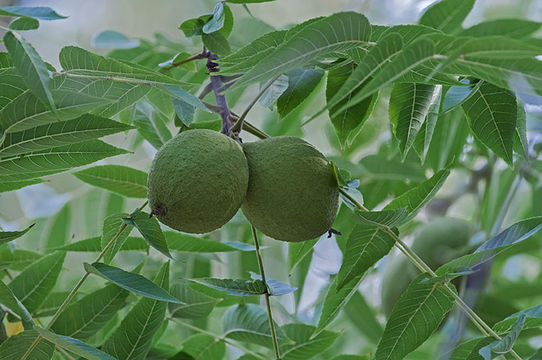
198, 180
292, 192
437, 242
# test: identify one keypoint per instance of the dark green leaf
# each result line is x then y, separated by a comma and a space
202, 347
389, 218
521, 144
134, 283
119, 179
216, 43
408, 108
113, 225
514, 28
492, 114
301, 83
149, 228
235, 287
297, 252
14, 185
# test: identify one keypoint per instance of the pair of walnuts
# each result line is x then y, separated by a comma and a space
285, 187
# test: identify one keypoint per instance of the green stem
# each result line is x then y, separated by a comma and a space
420, 264
267, 302
217, 337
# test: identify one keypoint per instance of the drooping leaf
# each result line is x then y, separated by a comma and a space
217, 21
249, 323
30, 66
150, 229
18, 347
133, 338
85, 317
7, 236
301, 83
67, 132
347, 124
195, 304
365, 246
338, 32
305, 345
447, 15
492, 114
491, 248
235, 287
59, 159
415, 316
134, 283
415, 199
408, 108
123, 180
9, 300
74, 345
33, 284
